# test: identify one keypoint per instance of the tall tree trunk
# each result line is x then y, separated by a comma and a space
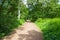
19, 10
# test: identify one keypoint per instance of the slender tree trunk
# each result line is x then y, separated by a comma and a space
18, 14
19, 10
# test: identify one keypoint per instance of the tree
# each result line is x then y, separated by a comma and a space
23, 11
8, 16
43, 9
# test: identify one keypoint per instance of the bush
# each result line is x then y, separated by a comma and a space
7, 24
50, 28
8, 16
21, 21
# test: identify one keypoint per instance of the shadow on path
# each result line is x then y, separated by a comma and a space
31, 35
28, 31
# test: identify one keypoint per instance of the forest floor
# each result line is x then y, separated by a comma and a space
28, 31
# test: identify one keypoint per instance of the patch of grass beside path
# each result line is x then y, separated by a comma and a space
21, 21
50, 28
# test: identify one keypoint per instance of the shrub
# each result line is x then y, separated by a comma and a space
50, 28
8, 16
21, 21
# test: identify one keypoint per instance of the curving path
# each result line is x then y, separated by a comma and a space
28, 31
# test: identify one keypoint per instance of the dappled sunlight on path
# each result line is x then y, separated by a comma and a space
28, 31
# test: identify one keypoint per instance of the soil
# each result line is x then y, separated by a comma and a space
28, 31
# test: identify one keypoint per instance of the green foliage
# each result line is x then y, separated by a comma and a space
23, 11
50, 28
22, 21
8, 16
36, 9
43, 9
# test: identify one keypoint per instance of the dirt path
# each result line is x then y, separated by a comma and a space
28, 31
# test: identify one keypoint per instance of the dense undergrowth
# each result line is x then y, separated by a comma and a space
9, 26
50, 28
8, 16
21, 21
